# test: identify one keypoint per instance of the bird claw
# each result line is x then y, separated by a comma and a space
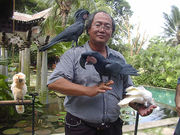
18, 100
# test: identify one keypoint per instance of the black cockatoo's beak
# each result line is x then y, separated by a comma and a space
87, 59
82, 62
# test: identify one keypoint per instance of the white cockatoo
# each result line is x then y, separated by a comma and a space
19, 89
137, 95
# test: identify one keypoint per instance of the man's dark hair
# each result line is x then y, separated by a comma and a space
91, 17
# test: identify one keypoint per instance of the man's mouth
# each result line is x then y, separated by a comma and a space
101, 36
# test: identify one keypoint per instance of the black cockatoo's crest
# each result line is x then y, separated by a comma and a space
112, 66
72, 32
80, 13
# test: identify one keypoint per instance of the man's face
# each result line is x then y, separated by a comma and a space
101, 28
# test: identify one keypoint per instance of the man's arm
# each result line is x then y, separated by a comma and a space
177, 97
66, 87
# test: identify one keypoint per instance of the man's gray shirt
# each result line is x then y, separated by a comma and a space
91, 109
178, 82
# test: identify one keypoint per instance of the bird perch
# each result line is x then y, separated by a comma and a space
16, 102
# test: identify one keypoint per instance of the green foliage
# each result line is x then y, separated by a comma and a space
3, 88
158, 65
38, 106
6, 112
30, 6
61, 119
172, 26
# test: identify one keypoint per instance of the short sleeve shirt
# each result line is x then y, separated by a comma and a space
97, 109
178, 82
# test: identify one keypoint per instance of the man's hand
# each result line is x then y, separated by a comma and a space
178, 108
101, 88
144, 111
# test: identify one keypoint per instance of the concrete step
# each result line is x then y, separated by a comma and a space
151, 124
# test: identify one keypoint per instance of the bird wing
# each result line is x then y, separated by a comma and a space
127, 69
112, 68
76, 28
117, 59
70, 33
141, 92
24, 89
134, 93
122, 67
130, 99
138, 91
130, 88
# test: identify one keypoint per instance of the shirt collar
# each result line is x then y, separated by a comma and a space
88, 48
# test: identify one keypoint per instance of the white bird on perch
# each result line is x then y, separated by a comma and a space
19, 89
137, 95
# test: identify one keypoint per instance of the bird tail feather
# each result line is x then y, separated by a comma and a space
129, 70
20, 109
134, 93
45, 47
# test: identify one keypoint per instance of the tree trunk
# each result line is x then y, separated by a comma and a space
65, 7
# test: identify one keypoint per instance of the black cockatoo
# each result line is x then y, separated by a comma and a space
71, 33
112, 66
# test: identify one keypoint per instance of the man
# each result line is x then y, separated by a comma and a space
92, 106
177, 101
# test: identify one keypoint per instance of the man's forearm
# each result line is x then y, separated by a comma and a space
68, 88
177, 98
71, 89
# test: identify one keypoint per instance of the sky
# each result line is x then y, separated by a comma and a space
149, 13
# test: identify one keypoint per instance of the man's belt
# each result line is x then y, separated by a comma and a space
98, 126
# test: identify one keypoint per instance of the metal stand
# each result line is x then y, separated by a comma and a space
136, 124
24, 102
33, 110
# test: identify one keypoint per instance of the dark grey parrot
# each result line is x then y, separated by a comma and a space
72, 32
112, 66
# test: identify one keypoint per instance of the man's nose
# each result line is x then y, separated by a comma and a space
102, 28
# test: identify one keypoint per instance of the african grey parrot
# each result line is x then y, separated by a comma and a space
112, 66
71, 33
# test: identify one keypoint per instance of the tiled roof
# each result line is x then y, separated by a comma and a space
26, 17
